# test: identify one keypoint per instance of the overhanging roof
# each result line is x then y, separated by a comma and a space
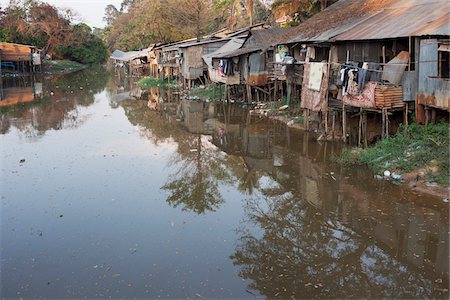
348, 20
130, 55
403, 20
232, 45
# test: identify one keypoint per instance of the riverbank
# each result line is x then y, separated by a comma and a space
62, 66
148, 82
417, 155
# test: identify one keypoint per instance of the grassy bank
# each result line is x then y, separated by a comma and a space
211, 92
63, 66
423, 150
147, 82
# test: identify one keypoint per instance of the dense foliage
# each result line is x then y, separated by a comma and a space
52, 29
139, 23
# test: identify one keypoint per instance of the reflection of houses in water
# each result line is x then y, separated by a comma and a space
414, 233
124, 88
20, 90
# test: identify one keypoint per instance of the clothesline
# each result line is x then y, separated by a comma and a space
352, 66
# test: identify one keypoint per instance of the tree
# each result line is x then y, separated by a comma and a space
85, 47
43, 25
45, 21
111, 14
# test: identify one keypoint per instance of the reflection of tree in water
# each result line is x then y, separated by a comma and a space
305, 254
195, 185
59, 110
200, 167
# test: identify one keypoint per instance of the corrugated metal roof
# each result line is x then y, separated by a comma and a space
416, 19
344, 14
260, 40
130, 55
373, 19
232, 45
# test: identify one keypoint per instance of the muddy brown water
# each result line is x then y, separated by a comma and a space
109, 191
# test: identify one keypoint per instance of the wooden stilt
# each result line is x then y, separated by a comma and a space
405, 115
333, 122
365, 129
360, 124
344, 121
387, 123
383, 124
275, 90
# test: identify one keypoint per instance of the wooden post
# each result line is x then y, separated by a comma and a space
305, 118
333, 122
275, 89
405, 115
387, 123
344, 121
384, 55
365, 129
383, 124
360, 126
249, 93
409, 50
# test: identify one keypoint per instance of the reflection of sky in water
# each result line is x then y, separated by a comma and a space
87, 214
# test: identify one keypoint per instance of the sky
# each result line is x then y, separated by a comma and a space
90, 11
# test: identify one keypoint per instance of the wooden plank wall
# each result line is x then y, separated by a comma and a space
14, 52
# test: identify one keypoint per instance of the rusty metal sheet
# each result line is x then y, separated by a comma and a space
409, 84
259, 79
421, 18
348, 20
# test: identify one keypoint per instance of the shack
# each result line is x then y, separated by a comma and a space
372, 57
252, 62
168, 57
191, 63
132, 62
20, 58
215, 72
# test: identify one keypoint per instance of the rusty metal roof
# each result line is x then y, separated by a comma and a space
413, 18
373, 19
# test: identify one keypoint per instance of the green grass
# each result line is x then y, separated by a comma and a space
275, 105
299, 120
413, 148
147, 82
64, 66
211, 92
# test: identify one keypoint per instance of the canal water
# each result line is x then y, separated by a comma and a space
110, 191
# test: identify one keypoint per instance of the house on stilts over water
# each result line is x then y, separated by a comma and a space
359, 62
